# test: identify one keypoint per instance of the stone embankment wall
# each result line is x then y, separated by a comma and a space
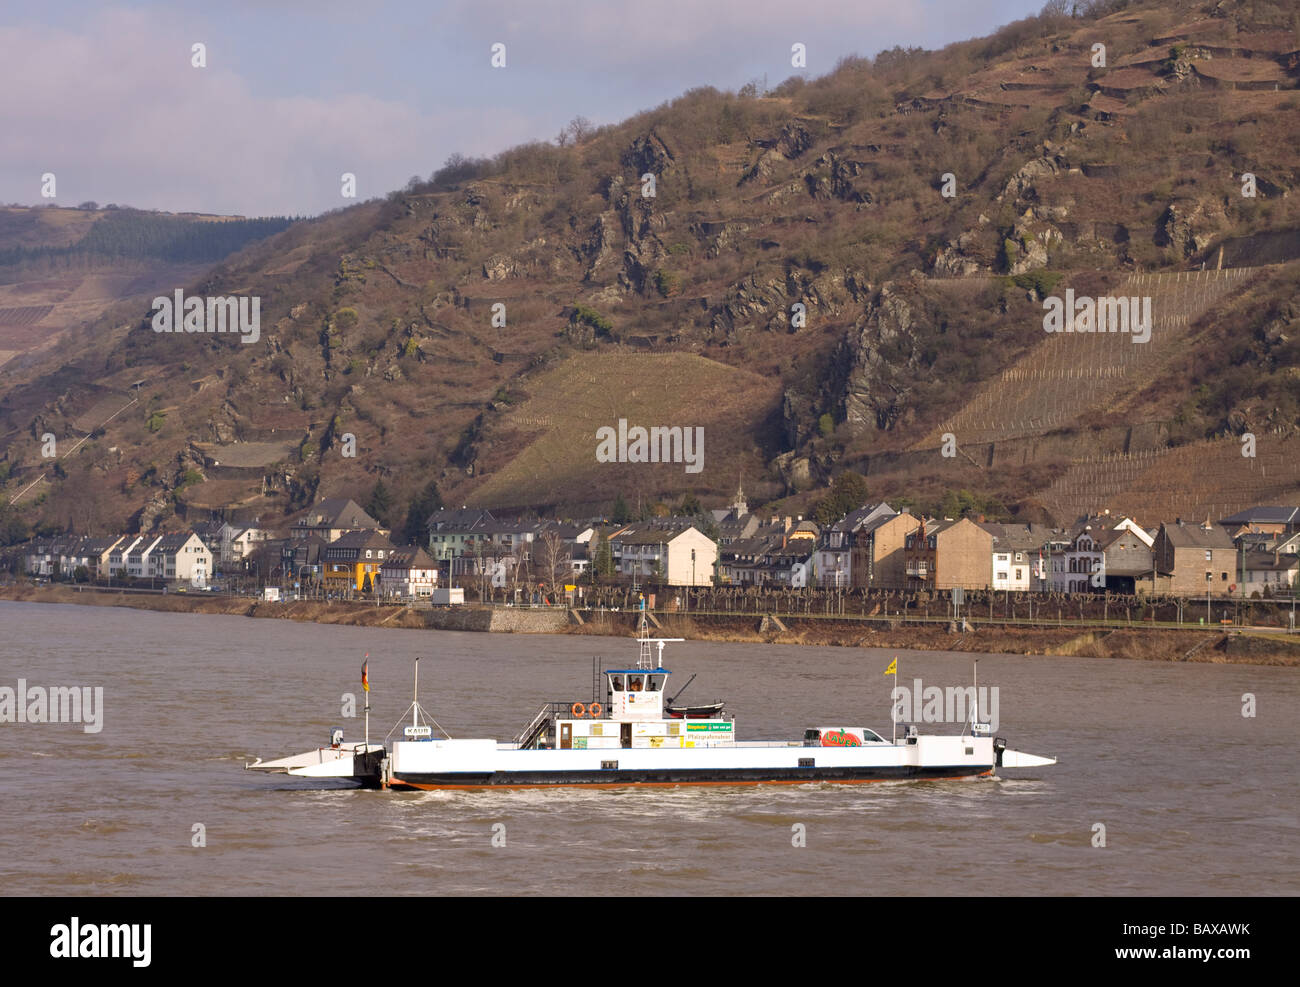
507, 620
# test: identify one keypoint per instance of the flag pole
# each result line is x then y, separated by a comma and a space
365, 682
893, 705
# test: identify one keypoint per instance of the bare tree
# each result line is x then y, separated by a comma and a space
553, 563
579, 129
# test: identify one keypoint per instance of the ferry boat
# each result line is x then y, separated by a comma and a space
628, 735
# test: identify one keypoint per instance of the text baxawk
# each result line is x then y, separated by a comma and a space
75, 941
234, 313
1109, 314
657, 444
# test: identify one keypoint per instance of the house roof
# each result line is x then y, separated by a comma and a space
458, 519
416, 558
856, 520
173, 541
733, 527
1196, 536
1269, 561
337, 512
355, 540
493, 526
1017, 537
96, 546
652, 534
300, 551
754, 546
1265, 515
565, 529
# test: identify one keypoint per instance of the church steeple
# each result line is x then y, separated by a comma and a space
739, 506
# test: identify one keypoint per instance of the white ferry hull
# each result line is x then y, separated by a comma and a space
486, 764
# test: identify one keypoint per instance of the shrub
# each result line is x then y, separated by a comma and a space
592, 318
668, 283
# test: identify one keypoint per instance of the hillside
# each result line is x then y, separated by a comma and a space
61, 267
439, 327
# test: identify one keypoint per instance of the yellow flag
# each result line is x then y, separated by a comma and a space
893, 668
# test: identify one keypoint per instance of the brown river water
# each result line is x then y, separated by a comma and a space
1195, 798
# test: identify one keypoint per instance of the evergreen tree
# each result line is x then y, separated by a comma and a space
415, 530
848, 492
621, 513
603, 561
380, 504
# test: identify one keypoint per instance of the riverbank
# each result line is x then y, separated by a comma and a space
1193, 644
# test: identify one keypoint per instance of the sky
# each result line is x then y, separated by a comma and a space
295, 93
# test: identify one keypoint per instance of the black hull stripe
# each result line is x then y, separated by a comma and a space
715, 776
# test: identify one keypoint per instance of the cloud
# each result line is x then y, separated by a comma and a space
295, 94
644, 36
115, 109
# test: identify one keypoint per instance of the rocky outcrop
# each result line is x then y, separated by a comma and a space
597, 250
498, 267
794, 140
1179, 66
153, 513
961, 257
794, 470
754, 303
878, 357
834, 177
1026, 247
1024, 183
648, 154
1190, 226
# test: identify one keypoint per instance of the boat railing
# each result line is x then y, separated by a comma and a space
549, 713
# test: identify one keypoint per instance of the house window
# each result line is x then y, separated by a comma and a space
1019, 574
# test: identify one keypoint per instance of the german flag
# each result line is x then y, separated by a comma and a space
365, 673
